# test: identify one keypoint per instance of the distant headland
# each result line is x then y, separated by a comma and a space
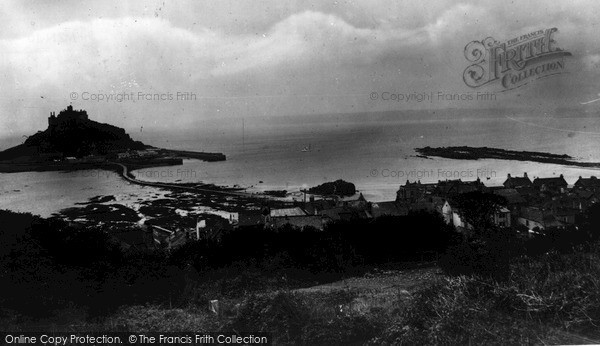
72, 141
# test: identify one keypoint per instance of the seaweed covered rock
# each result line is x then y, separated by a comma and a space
338, 187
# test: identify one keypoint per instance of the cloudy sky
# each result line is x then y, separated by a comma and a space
269, 57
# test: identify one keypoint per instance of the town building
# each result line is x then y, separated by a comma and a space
391, 208
412, 192
517, 182
591, 184
356, 201
449, 188
552, 185
514, 201
533, 217
301, 222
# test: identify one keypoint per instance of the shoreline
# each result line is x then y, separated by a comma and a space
125, 173
167, 157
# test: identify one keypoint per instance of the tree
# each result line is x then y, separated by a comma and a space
478, 209
592, 221
492, 244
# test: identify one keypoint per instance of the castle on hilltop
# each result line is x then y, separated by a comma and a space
68, 115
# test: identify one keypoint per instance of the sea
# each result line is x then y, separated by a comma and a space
375, 151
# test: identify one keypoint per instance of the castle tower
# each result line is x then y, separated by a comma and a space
68, 115
52, 122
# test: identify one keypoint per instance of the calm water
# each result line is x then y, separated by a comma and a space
376, 152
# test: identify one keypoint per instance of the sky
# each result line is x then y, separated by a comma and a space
269, 58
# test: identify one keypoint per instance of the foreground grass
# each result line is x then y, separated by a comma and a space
551, 299
334, 318
351, 311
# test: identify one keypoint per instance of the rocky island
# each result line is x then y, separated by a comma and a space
337, 188
476, 153
72, 141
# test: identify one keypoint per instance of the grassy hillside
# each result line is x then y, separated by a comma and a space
332, 287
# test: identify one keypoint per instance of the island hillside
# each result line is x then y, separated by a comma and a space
73, 134
73, 141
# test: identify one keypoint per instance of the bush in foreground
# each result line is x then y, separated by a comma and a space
551, 299
311, 318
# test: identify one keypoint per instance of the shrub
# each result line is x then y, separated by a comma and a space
145, 319
283, 314
463, 311
476, 259
310, 318
550, 299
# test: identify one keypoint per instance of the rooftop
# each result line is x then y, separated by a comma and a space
552, 180
297, 211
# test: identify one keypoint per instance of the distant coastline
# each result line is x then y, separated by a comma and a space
476, 153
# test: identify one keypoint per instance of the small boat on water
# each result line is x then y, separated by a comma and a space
306, 149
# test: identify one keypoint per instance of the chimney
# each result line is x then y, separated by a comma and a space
561, 176
508, 176
525, 174
199, 224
